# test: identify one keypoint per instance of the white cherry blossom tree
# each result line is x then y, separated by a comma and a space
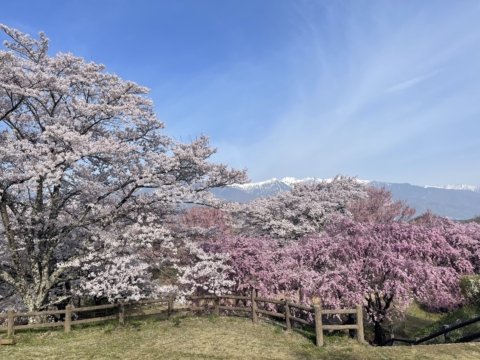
79, 150
305, 209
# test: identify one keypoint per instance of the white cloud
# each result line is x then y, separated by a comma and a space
409, 83
342, 119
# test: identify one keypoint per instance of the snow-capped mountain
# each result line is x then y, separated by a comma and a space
272, 186
454, 201
264, 188
455, 187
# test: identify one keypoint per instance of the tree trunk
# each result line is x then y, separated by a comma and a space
379, 337
33, 306
35, 301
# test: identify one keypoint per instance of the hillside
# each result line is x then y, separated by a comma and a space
209, 338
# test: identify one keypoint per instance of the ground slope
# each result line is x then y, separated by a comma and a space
208, 338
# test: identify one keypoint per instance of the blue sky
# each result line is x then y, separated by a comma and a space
384, 90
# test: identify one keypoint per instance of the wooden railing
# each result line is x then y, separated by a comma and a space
444, 332
315, 309
69, 310
253, 309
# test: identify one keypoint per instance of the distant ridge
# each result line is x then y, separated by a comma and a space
456, 187
459, 202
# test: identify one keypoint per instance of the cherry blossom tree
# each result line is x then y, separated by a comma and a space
257, 263
202, 223
465, 237
384, 267
305, 209
208, 272
192, 266
87, 179
429, 219
379, 207
387, 264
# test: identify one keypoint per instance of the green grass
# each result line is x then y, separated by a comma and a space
420, 323
455, 317
414, 321
207, 337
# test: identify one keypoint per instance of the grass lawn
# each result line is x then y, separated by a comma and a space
416, 319
207, 337
466, 313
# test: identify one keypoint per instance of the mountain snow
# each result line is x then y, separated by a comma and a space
287, 182
263, 188
440, 199
455, 187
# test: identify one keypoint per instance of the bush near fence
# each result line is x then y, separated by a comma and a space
470, 287
217, 306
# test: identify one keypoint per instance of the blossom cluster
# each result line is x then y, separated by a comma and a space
88, 181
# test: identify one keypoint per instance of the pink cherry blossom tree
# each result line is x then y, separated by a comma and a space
202, 223
81, 151
465, 237
391, 264
429, 219
305, 209
384, 267
379, 207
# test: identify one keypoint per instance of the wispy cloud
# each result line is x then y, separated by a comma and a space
409, 83
346, 117
379, 89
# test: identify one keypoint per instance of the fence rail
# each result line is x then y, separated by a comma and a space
444, 332
69, 310
253, 309
316, 310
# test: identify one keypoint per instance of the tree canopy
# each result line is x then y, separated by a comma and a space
305, 209
79, 148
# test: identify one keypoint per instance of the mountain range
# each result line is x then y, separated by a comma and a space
458, 202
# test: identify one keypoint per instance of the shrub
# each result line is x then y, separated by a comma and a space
470, 286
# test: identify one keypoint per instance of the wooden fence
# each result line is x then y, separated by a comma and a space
69, 310
315, 309
446, 329
253, 309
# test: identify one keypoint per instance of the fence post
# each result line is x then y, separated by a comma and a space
121, 312
11, 323
254, 306
445, 333
288, 314
318, 323
170, 306
216, 311
68, 318
360, 332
